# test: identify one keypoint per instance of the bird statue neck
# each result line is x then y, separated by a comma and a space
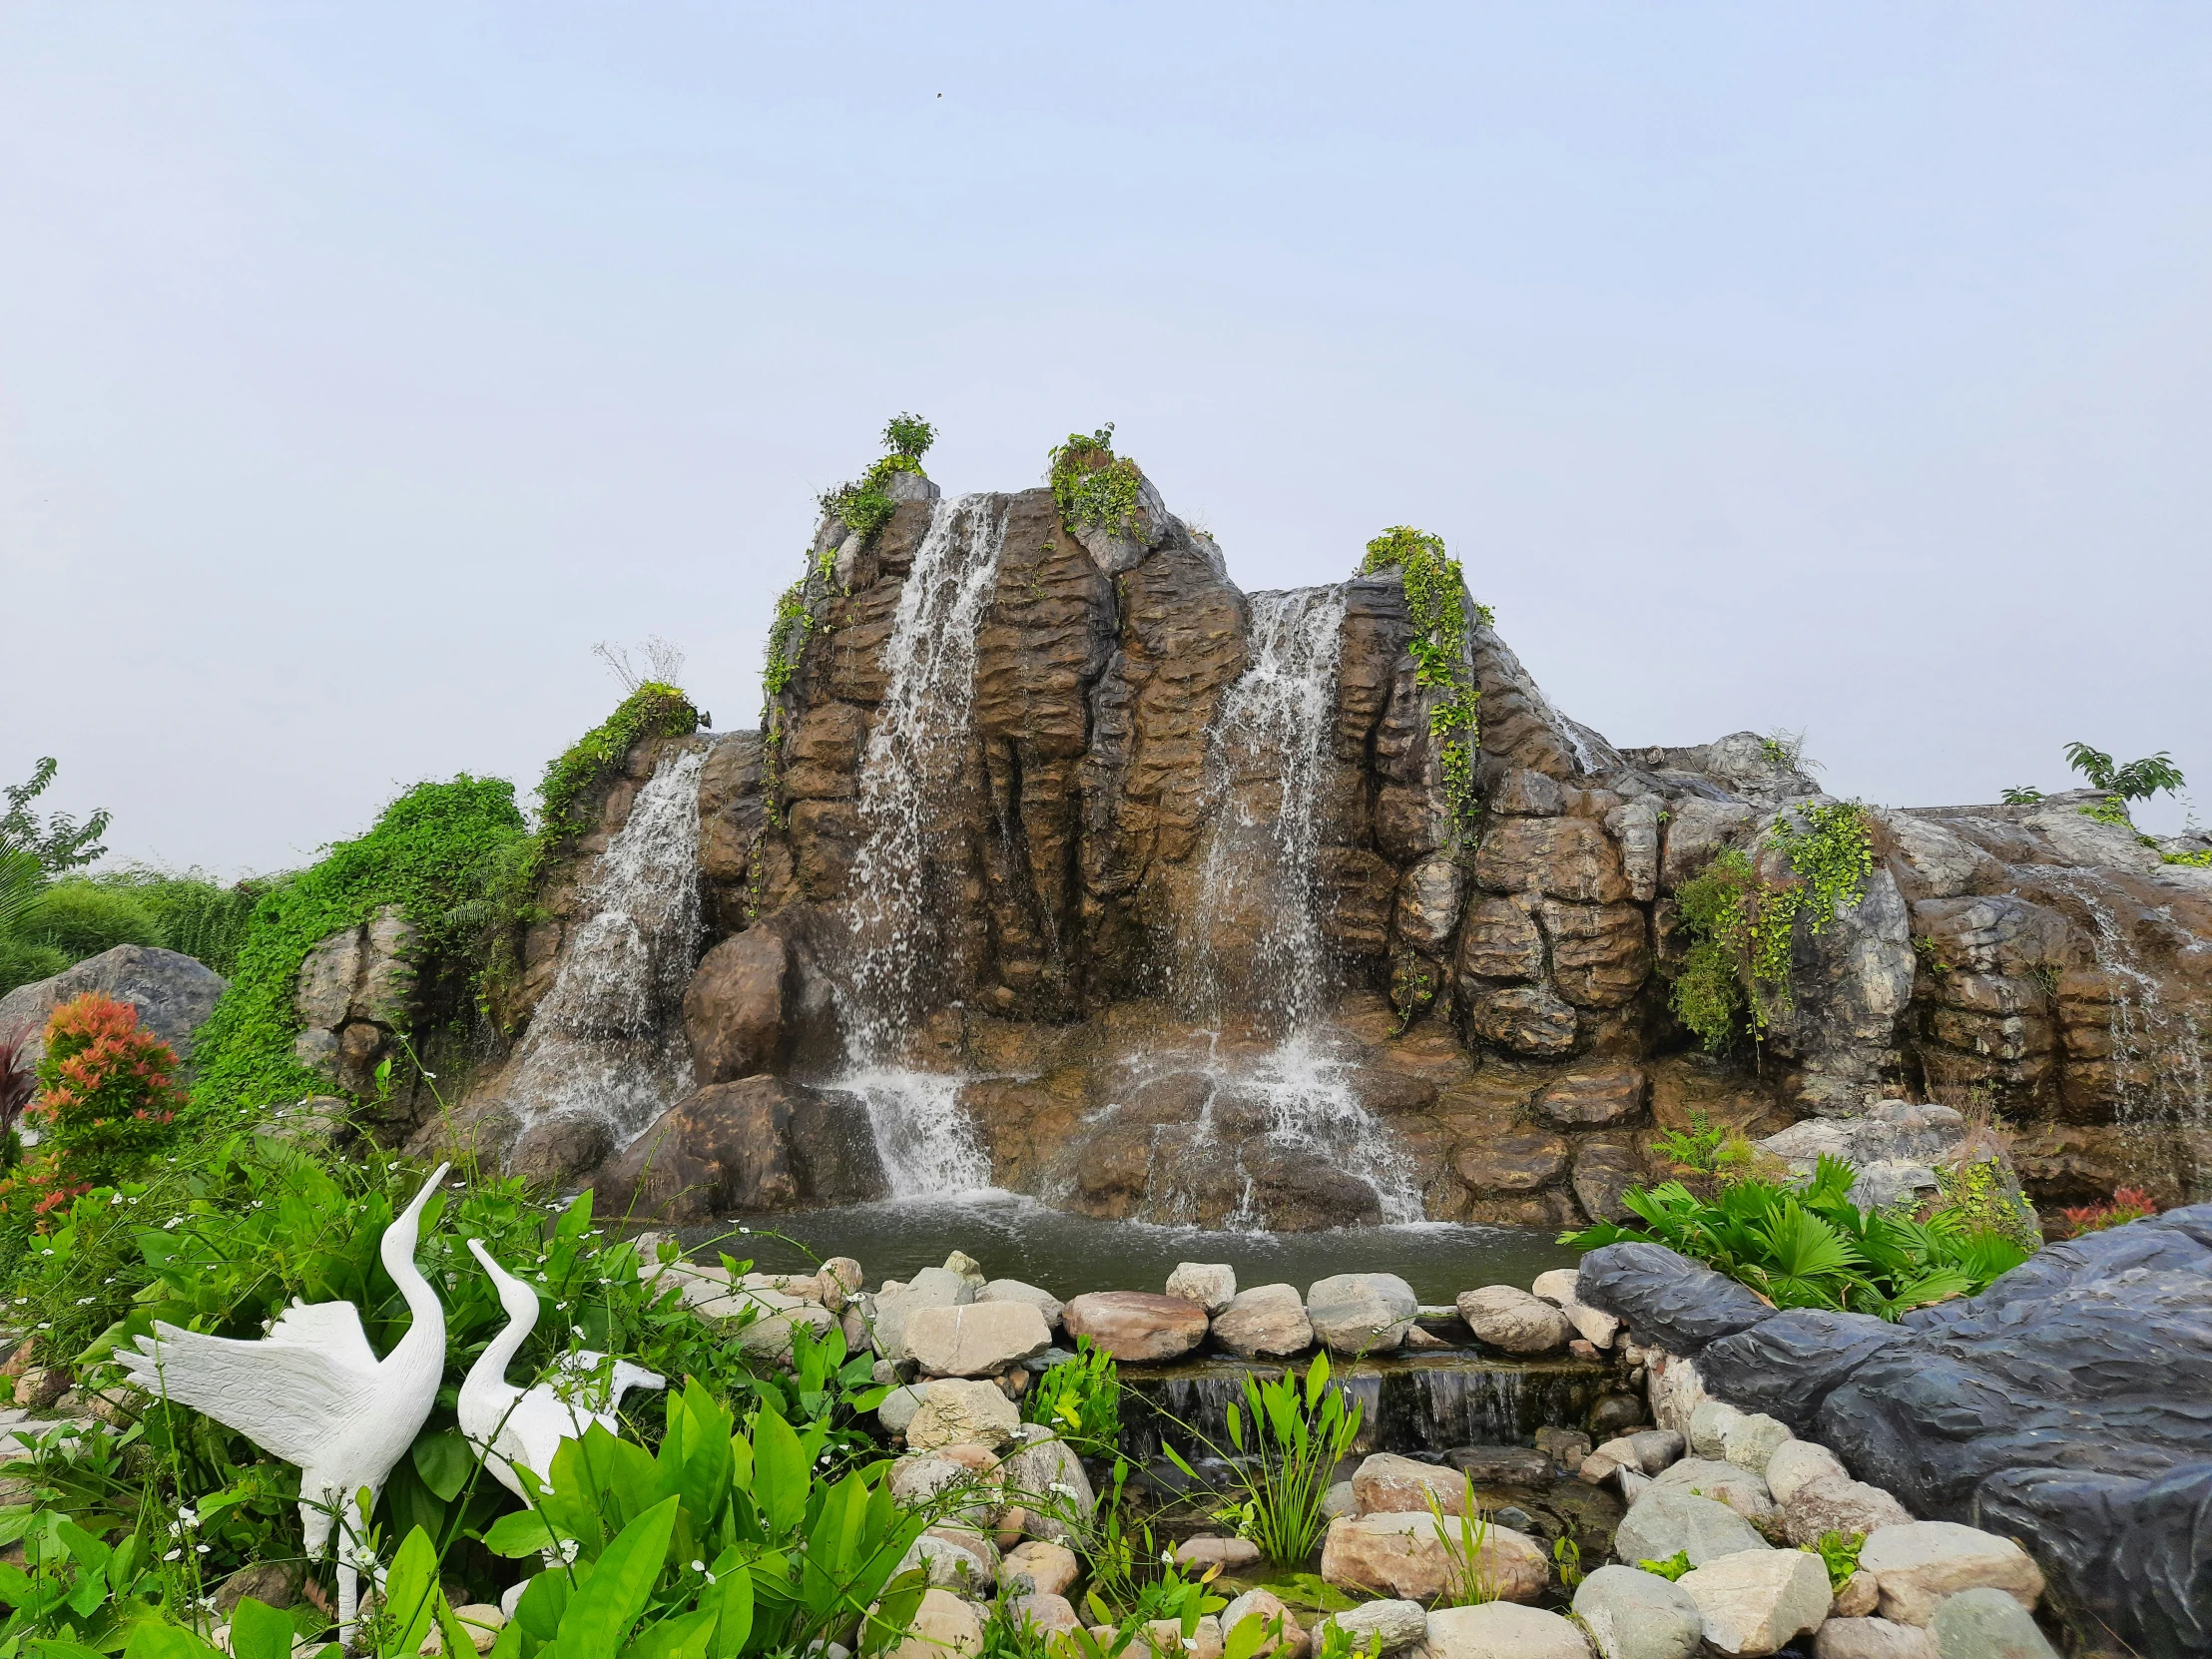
397, 1250
490, 1369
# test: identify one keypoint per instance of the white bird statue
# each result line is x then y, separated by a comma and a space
508, 1425
313, 1392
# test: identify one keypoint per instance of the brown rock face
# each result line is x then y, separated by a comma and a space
1135, 1326
1511, 1163
1593, 1100
734, 1009
1523, 1019
1598, 956
758, 1144
1498, 941
1562, 858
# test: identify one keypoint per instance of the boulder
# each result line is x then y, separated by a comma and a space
1052, 1567
1385, 1484
919, 1477
1382, 1626
1532, 1020
944, 1624
734, 1008
1838, 1504
1513, 1320
1759, 1600
893, 1307
1504, 1465
1360, 1312
1988, 1624
1604, 1169
1164, 1639
1230, 1554
1500, 1630
1798, 1461
720, 1148
1267, 1608
1917, 1565
172, 994
1859, 1597
1753, 1438
959, 1413
1863, 1638
1710, 1423
1738, 1487
1558, 1287
1669, 1301
949, 1565
1592, 1099
1666, 1519
897, 1408
1633, 1615
1508, 1164
1047, 1478
1413, 1555
768, 1318
1045, 1612
1786, 1365
980, 1338
1213, 1285
1266, 1322
1135, 1327
1013, 1290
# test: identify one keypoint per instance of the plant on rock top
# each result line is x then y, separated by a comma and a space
865, 505
1810, 1246
1079, 1400
2136, 780
1435, 598
2127, 1204
1095, 488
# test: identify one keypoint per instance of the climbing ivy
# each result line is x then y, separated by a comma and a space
1740, 924
786, 636
437, 851
652, 711
1436, 598
1095, 488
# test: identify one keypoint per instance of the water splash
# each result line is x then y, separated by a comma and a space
903, 884
1254, 947
608, 1040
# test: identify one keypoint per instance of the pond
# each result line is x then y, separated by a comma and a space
1018, 1238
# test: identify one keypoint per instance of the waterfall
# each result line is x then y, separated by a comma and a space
2158, 1075
1254, 948
608, 1040
915, 754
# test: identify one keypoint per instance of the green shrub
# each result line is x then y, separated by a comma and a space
1283, 1447
82, 919
1809, 1246
107, 1102
1095, 488
2136, 780
1435, 599
25, 962
437, 852
652, 711
200, 917
1081, 1399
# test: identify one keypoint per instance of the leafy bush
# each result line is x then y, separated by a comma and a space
1079, 1400
908, 435
107, 1102
437, 852
1811, 1246
1093, 486
2022, 794
864, 506
1435, 599
23, 962
1839, 1553
1281, 1469
82, 919
200, 917
2128, 1204
1672, 1568
652, 711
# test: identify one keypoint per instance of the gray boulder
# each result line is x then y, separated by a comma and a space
172, 994
1988, 1624
1786, 1365
1633, 1615
1362, 1313
1666, 1519
1669, 1301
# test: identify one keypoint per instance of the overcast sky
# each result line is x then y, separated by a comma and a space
1845, 369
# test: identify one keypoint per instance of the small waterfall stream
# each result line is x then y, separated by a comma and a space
1254, 948
608, 1040
915, 756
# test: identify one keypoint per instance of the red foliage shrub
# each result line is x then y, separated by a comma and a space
2128, 1204
108, 1097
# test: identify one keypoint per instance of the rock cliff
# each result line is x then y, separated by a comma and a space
1061, 863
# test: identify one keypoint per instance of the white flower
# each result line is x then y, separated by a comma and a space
85, 1301
1063, 1488
173, 1554
46, 1325
699, 1566
171, 1223
202, 1548
115, 1198
577, 1328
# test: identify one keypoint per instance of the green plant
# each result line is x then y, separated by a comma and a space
1566, 1559
1095, 488
786, 636
1741, 926
1695, 1146
1466, 1536
1079, 1400
2111, 810
1981, 1195
1839, 1553
1786, 749
908, 435
1436, 601
864, 506
200, 917
1282, 1467
107, 1102
23, 962
2136, 780
82, 919
1673, 1568
1809, 1246
653, 710
58, 841
2022, 794
437, 852
2201, 858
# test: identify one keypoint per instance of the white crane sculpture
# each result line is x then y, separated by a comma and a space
313, 1392
508, 1425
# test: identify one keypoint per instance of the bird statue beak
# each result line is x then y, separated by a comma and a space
414, 1209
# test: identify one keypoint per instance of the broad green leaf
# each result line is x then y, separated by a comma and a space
445, 1461
523, 1533
731, 1596
259, 1632
411, 1590
600, 1614
780, 1473
166, 1641
684, 1637
453, 1636
544, 1601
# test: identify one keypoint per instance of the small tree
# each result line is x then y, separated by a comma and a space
107, 1101
2137, 780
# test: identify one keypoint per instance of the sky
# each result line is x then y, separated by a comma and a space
1846, 369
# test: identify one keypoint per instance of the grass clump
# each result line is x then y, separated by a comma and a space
1284, 1446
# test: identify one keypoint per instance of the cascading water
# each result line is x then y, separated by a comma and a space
608, 1040
914, 755
1255, 951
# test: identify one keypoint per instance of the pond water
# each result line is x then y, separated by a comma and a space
1018, 1238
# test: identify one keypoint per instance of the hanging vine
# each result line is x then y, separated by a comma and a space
1436, 599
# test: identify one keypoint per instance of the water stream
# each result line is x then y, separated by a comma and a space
608, 1040
901, 880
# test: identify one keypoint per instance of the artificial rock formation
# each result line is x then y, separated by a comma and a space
1035, 913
